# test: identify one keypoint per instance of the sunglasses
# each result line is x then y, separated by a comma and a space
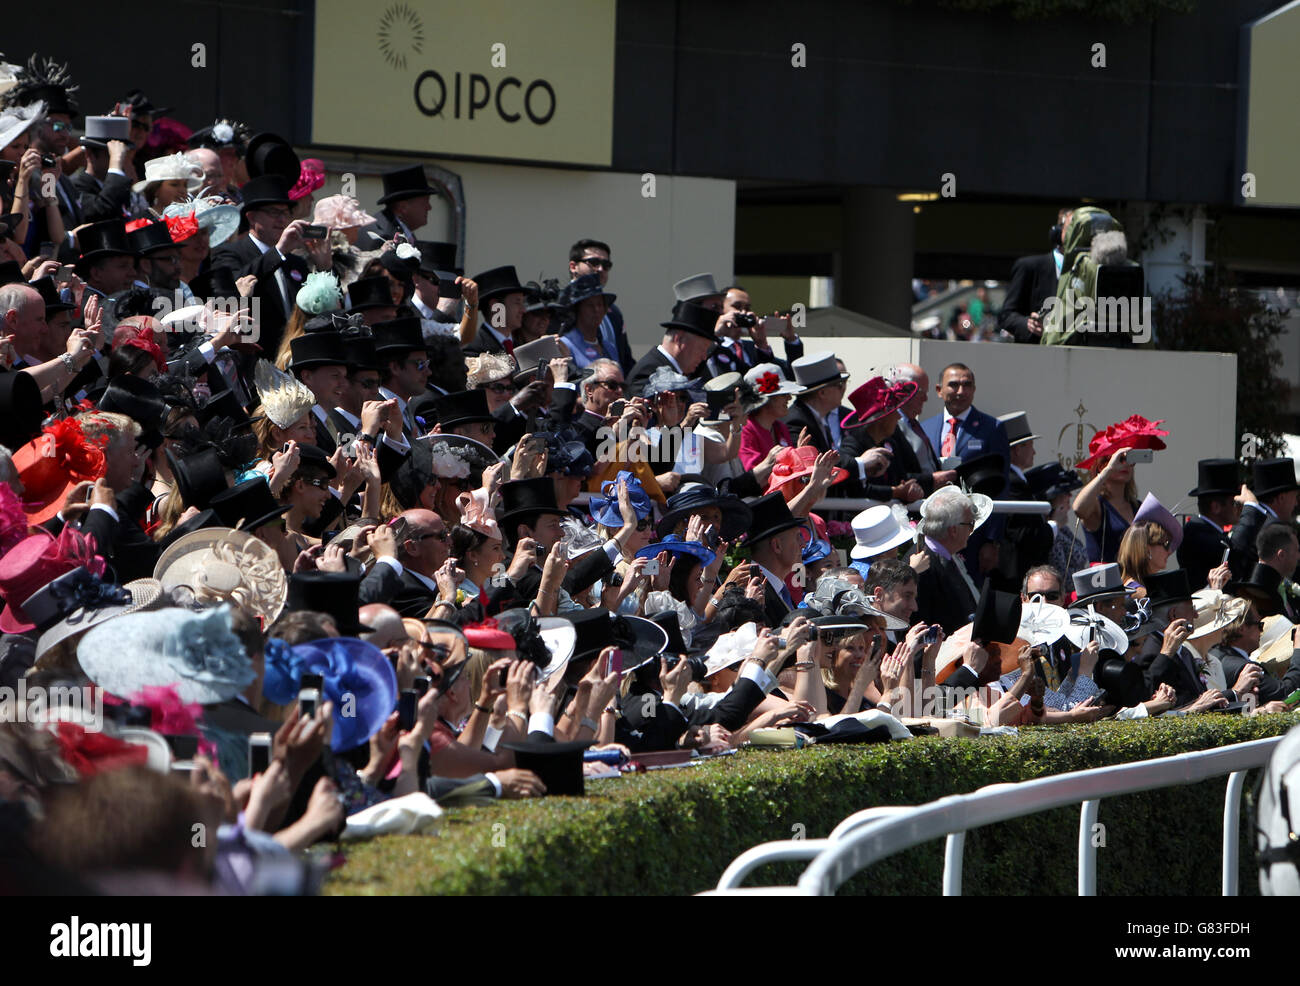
600, 262
1050, 597
611, 384
320, 484
502, 387
644, 524
368, 383
418, 364
440, 535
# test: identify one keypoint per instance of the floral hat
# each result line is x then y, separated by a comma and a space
320, 293
310, 178
1133, 432
54, 462
196, 652
767, 381
477, 515
341, 212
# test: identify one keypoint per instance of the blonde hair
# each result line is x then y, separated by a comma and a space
292, 330
106, 424
169, 513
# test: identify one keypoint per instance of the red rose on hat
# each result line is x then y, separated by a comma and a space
767, 383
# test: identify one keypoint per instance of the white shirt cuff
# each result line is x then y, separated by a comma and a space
393, 563
491, 737
567, 385
117, 171
496, 783
402, 446
106, 508
208, 351
758, 676
542, 722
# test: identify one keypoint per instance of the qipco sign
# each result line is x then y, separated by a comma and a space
462, 99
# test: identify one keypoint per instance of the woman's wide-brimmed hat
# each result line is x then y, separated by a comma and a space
1133, 432
841, 598
797, 463
54, 462
196, 652
879, 529
675, 545
604, 508
1041, 622
693, 497
1152, 511
219, 564
1216, 610
35, 562
77, 602
173, 167
877, 398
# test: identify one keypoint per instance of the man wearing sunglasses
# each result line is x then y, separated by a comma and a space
592, 257
399, 345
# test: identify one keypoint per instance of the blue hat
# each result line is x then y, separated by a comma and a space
816, 550
604, 509
676, 545
358, 680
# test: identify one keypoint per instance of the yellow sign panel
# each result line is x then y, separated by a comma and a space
1269, 178
495, 78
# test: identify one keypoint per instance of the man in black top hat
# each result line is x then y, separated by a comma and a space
1204, 540
106, 262
776, 547
688, 339
735, 353
364, 413
265, 250
319, 360
462, 413
1271, 496
406, 207
399, 346
159, 256
502, 300
103, 189
372, 297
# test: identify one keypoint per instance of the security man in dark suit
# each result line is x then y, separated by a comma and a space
1204, 537
1033, 280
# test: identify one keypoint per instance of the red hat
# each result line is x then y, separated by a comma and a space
486, 636
1136, 432
34, 563
794, 463
54, 462
876, 398
310, 178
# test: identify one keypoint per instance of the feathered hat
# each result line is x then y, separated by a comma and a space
319, 294
44, 80
284, 399
54, 462
1134, 432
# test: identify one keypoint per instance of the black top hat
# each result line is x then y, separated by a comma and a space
771, 516
101, 129
139, 400
582, 288
671, 624
315, 349
151, 238
464, 407
50, 295
142, 105
437, 258
360, 351
199, 476
11, 271
332, 593
1216, 477
525, 498
984, 474
223, 404
270, 154
497, 283
103, 239
265, 190
370, 292
1273, 476
557, 765
396, 337
21, 413
1049, 480
405, 183
247, 505
997, 616
312, 457
1165, 588
693, 319
736, 515
1122, 681
401, 268
1262, 588
598, 628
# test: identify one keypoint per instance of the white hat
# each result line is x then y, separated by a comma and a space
880, 528
173, 167
768, 381
1042, 622
1109, 633
730, 649
15, 121
1215, 610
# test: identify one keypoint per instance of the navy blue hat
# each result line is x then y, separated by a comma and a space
1049, 480
677, 545
582, 288
736, 515
567, 456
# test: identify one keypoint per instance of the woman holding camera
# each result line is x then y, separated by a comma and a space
1108, 502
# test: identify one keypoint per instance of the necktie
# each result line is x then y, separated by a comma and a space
785, 597
926, 447
510, 346
739, 351
949, 438
1191, 667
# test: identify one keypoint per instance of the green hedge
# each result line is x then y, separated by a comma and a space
674, 831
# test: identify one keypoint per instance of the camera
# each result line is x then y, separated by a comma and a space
421, 684
48, 160
931, 635
696, 664
746, 320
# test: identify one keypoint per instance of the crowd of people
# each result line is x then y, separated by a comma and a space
380, 534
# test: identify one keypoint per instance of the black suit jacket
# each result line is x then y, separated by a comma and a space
583, 574
483, 342
122, 543
241, 257
1033, 281
1243, 557
1270, 688
411, 598
378, 232
1202, 550
722, 359
101, 201
1026, 541
774, 607
1172, 670
646, 365
942, 595
802, 417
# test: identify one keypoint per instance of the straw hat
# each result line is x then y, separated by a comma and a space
1216, 611
218, 564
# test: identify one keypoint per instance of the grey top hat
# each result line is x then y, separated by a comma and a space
527, 355
694, 287
817, 370
101, 129
1017, 425
1097, 582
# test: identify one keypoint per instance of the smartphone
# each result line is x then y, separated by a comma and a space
406, 707
1226, 551
1133, 456
618, 407
1293, 698
47, 250
711, 538
421, 685
651, 567
542, 366
448, 289
541, 551
614, 663
501, 677
310, 680
308, 702
64, 274
259, 753
931, 635
314, 232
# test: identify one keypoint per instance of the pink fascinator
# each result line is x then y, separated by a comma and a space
476, 515
341, 212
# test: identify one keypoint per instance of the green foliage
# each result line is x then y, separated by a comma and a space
673, 832
1125, 11
1210, 314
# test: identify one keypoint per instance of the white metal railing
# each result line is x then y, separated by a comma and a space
869, 836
